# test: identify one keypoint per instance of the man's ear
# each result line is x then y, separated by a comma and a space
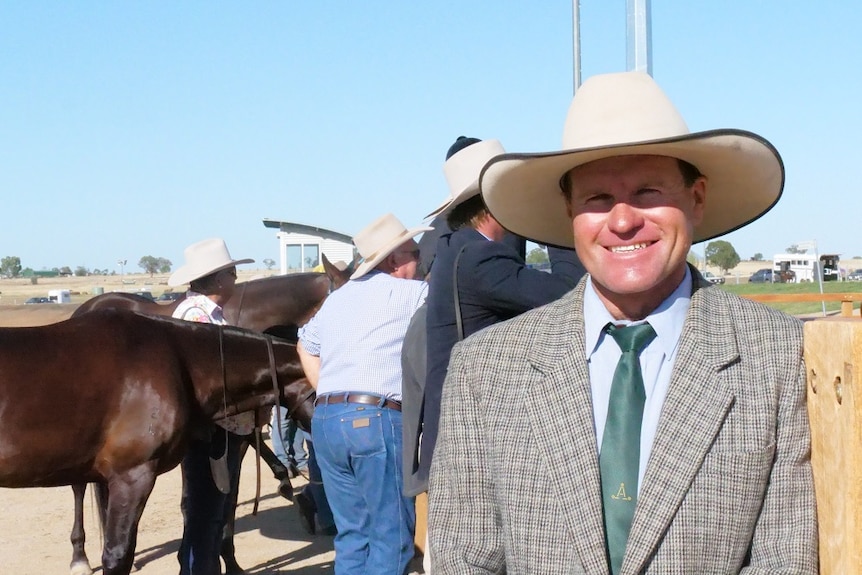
388, 264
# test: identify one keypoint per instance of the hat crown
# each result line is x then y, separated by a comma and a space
207, 252
378, 235
623, 108
462, 171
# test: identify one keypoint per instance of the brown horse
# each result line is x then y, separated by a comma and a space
275, 305
132, 388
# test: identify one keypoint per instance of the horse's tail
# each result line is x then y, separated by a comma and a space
100, 490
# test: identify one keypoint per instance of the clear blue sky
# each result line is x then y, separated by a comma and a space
136, 128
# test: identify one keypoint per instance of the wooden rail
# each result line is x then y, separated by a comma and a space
846, 299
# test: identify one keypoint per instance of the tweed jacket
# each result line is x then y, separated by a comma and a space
728, 486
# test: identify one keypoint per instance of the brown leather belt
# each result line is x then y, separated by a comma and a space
363, 398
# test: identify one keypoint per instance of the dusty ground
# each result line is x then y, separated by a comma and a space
35, 523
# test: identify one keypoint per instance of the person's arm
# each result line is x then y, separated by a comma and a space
785, 539
463, 523
310, 364
495, 273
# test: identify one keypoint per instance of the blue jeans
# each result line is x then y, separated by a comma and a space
314, 488
358, 448
203, 505
288, 446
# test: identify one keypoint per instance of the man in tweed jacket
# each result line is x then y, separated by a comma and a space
724, 479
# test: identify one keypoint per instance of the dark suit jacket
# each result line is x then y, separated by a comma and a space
494, 284
728, 487
565, 262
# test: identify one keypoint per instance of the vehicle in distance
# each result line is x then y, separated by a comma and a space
855, 275
171, 296
712, 278
761, 276
38, 300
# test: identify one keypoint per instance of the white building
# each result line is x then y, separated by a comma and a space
300, 246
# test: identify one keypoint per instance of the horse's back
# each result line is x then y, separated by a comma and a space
126, 301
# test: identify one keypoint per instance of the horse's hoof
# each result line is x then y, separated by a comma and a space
80, 568
285, 489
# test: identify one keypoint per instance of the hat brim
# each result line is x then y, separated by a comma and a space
450, 204
745, 178
368, 265
187, 274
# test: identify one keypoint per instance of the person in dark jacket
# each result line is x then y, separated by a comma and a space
493, 281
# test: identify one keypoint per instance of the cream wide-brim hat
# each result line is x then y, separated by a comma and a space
628, 114
202, 259
462, 173
379, 239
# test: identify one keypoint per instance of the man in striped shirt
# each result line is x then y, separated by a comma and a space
351, 352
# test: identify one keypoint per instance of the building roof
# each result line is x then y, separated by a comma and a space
295, 228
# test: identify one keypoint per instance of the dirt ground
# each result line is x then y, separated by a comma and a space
35, 524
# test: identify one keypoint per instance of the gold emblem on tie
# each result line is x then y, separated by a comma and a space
621, 494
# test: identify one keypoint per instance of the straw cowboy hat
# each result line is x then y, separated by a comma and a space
202, 259
380, 239
624, 114
464, 161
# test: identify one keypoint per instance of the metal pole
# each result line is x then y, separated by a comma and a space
576, 44
638, 36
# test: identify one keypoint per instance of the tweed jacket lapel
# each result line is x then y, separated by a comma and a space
564, 433
694, 410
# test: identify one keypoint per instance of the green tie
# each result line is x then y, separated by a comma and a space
620, 455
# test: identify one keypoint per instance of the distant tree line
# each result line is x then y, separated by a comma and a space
10, 267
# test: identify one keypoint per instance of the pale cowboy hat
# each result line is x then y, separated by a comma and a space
380, 239
202, 259
464, 162
624, 114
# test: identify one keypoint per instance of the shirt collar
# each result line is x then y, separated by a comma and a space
667, 319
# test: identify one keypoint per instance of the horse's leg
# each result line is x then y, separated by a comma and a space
236, 452
285, 489
80, 563
127, 495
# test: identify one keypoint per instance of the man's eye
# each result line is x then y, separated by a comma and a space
598, 198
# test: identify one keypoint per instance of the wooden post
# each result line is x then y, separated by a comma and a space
421, 521
833, 358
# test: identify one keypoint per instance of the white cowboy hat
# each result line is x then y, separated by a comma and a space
462, 172
380, 239
202, 259
625, 114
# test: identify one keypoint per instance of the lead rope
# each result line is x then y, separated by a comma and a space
218, 467
274, 375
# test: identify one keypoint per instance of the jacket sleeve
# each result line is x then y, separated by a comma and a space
785, 537
463, 524
502, 281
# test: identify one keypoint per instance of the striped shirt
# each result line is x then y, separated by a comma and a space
358, 332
